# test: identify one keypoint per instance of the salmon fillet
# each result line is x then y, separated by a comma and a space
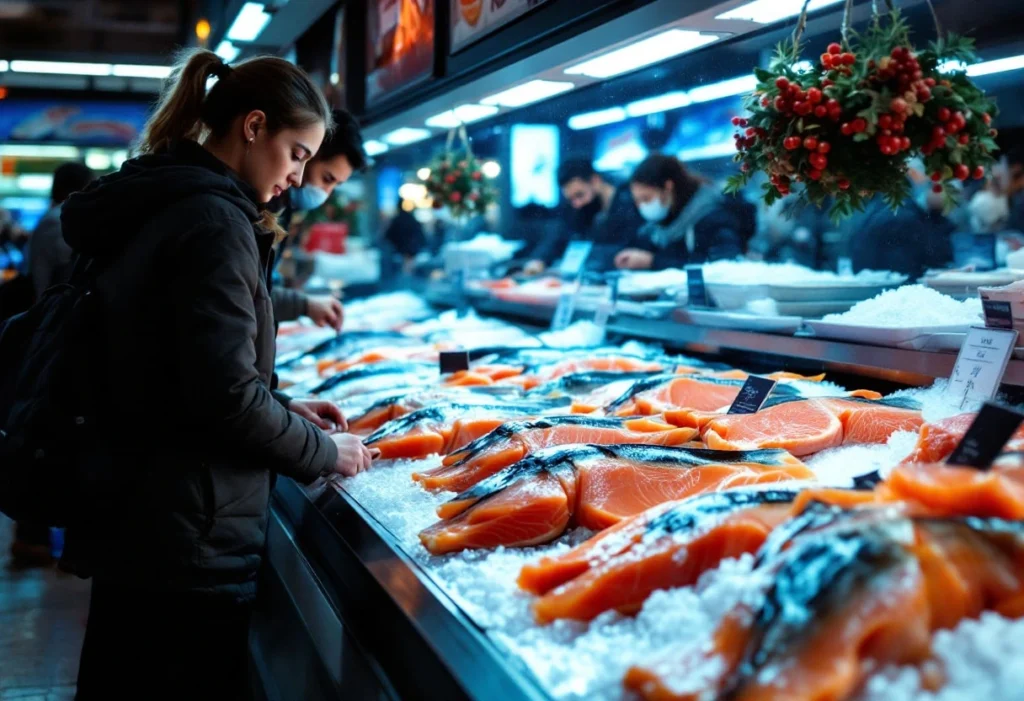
938, 440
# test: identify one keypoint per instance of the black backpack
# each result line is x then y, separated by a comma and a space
49, 471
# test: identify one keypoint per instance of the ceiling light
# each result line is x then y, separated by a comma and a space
372, 147
491, 169
412, 191
335, 78
19, 151
34, 182
588, 120
405, 135
97, 160
726, 88
642, 53
251, 20
463, 114
770, 11
527, 93
227, 51
132, 71
658, 103
61, 67
423, 173
3, 66
1000, 65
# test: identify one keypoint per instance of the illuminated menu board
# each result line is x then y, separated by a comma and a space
400, 45
473, 19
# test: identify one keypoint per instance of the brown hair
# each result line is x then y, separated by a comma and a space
657, 169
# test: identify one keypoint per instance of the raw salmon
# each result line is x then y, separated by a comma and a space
595, 486
661, 393
383, 354
950, 490
482, 375
444, 427
398, 403
386, 375
938, 440
513, 441
622, 363
589, 391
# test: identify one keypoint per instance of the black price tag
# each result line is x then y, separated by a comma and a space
454, 361
985, 438
697, 292
752, 395
998, 315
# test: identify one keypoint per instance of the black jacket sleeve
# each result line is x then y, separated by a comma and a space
289, 305
218, 280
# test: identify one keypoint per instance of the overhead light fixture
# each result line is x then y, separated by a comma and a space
3, 66
655, 49
227, 51
412, 191
999, 65
589, 120
704, 153
249, 23
771, 11
491, 169
61, 67
423, 173
527, 93
34, 182
132, 71
658, 103
335, 78
42, 151
726, 88
372, 147
463, 114
98, 160
405, 135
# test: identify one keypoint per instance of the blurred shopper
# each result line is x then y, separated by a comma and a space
340, 156
688, 220
49, 257
405, 234
192, 433
601, 213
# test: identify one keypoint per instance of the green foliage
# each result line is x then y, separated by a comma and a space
457, 181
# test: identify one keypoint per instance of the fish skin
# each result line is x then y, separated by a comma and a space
375, 370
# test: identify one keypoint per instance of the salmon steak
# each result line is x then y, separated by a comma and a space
511, 442
952, 490
808, 426
844, 599
442, 428
661, 393
589, 391
594, 486
938, 440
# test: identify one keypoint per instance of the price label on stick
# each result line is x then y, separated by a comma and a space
696, 291
998, 315
454, 361
576, 254
606, 307
982, 361
752, 396
566, 307
985, 438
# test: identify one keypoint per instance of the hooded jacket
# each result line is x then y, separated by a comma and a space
187, 332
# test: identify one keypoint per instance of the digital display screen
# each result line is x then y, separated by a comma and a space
400, 45
534, 178
80, 123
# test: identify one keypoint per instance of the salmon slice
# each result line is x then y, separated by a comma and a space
938, 440
482, 375
619, 568
398, 403
603, 484
383, 355
950, 490
444, 427
872, 422
622, 363
512, 442
777, 376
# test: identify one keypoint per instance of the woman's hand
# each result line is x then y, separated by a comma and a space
323, 414
353, 456
325, 311
634, 259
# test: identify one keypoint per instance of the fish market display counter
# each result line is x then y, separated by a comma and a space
349, 615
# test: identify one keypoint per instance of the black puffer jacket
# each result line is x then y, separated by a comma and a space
188, 336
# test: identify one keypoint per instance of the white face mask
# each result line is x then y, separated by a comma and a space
653, 211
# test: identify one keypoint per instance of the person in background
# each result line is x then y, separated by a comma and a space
48, 255
405, 234
339, 157
192, 434
688, 220
602, 213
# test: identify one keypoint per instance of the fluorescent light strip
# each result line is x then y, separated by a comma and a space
463, 114
404, 136
645, 52
589, 120
527, 93
133, 71
98, 160
659, 103
4, 66
999, 65
726, 88
227, 51
703, 153
374, 147
249, 24
34, 182
771, 11
25, 151
61, 67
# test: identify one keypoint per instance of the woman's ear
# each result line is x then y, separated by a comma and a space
255, 123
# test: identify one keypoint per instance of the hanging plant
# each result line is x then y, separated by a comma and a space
847, 128
457, 180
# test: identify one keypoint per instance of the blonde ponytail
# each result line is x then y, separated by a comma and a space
179, 113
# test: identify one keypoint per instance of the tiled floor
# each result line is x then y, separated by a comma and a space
42, 621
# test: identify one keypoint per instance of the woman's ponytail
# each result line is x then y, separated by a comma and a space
179, 112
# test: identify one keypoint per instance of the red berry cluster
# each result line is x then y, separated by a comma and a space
836, 60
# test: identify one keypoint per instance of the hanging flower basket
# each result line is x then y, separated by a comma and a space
845, 130
457, 181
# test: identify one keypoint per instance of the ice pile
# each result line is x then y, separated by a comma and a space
757, 273
385, 311
911, 306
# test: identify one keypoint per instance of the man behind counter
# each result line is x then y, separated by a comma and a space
340, 155
603, 213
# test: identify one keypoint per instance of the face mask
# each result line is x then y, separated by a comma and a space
653, 211
307, 197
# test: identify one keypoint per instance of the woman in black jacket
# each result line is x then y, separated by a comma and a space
688, 220
194, 433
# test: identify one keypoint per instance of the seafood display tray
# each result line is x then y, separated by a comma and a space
360, 599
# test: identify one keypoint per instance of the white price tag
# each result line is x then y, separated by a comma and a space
566, 307
576, 254
982, 361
